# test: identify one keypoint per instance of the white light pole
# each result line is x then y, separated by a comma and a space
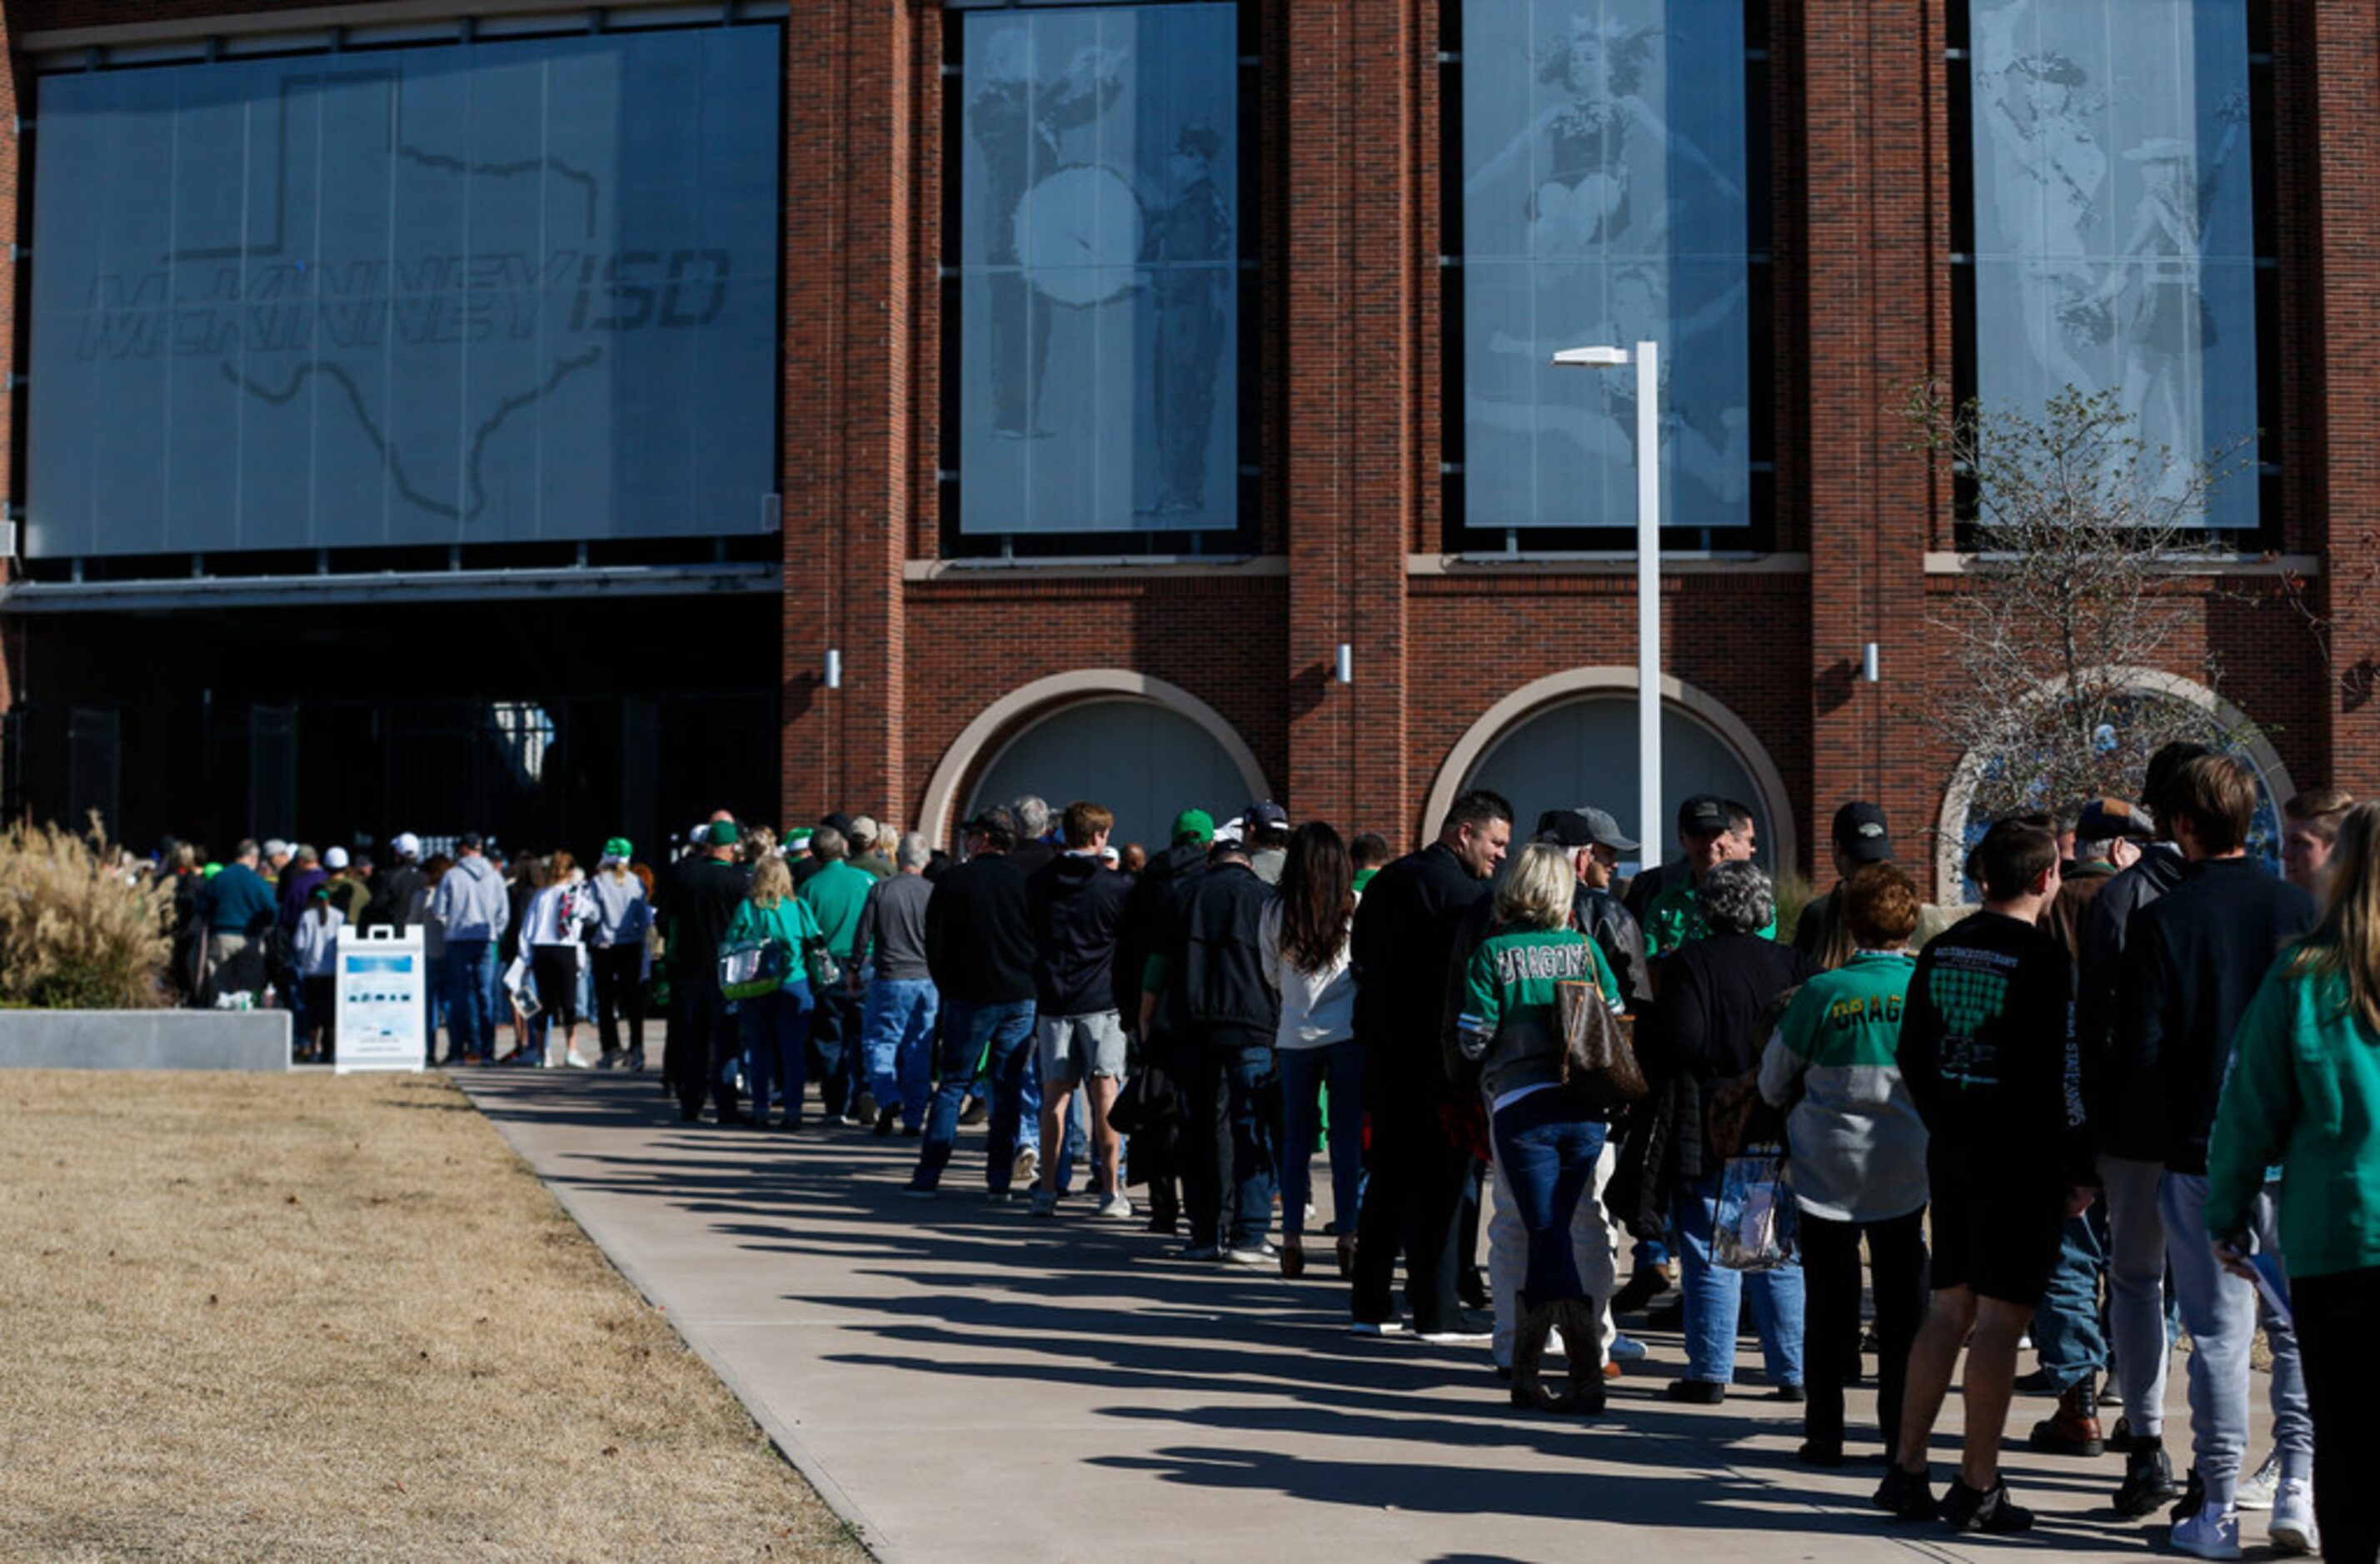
1648, 576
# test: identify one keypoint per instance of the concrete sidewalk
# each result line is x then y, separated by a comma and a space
967, 1383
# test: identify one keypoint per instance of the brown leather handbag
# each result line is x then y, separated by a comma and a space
1600, 1064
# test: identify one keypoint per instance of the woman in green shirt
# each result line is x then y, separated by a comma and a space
1546, 1139
1858, 1150
2304, 1092
777, 1025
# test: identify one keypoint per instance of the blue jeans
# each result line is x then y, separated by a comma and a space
895, 1028
775, 1025
470, 1020
1712, 1295
2066, 1328
1001, 1037
1225, 1142
1547, 1148
434, 1003
1304, 1074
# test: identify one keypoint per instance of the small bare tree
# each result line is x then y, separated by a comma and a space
2071, 591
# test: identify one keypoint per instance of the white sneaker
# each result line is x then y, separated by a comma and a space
2210, 1534
1027, 1165
1116, 1205
1258, 1253
2293, 1529
2256, 1492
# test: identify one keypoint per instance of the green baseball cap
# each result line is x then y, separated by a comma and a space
619, 847
1193, 825
724, 834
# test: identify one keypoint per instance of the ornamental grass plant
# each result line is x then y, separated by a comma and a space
76, 930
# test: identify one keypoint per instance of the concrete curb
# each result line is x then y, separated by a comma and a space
144, 1039
780, 1433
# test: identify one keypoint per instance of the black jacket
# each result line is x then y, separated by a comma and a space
979, 942
1215, 988
392, 896
2130, 1122
1136, 940
1077, 906
1402, 943
1704, 1034
1604, 919
1706, 1025
2193, 961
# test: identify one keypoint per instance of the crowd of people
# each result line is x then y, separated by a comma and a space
2131, 1095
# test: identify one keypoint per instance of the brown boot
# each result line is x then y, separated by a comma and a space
1582, 1328
1529, 1391
2074, 1428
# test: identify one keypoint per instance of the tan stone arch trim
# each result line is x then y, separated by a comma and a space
1004, 721
1582, 684
1949, 871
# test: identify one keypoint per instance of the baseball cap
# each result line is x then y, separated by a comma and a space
839, 820
725, 834
997, 820
1861, 833
1703, 813
1193, 825
274, 847
1267, 813
320, 893
1585, 826
618, 850
406, 845
472, 840
2105, 817
336, 858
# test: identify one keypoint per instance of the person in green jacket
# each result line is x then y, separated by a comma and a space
837, 892
775, 1025
2304, 1092
1547, 1140
1858, 1149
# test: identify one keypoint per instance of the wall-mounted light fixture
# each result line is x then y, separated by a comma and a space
833, 669
1870, 673
1343, 666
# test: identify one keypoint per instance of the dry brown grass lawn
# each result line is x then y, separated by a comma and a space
298, 1316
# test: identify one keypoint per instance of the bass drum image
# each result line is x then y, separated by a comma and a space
1078, 235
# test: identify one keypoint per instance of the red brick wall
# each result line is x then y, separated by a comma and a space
1351, 395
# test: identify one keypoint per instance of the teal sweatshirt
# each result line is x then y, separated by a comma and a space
2304, 1092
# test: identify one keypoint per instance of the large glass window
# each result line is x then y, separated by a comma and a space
1098, 236
488, 293
1606, 200
2114, 220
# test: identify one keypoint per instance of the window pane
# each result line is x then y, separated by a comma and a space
1603, 204
1099, 351
2115, 220
513, 291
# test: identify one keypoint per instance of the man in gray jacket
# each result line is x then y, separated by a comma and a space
471, 904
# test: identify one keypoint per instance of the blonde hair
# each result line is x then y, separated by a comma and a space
1537, 892
772, 881
2347, 943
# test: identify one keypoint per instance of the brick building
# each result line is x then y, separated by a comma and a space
1287, 388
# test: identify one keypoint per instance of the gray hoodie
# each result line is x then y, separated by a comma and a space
470, 900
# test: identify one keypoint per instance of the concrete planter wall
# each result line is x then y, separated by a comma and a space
144, 1039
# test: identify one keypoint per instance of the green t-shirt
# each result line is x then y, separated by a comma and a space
1511, 976
1675, 921
1857, 1141
788, 923
837, 893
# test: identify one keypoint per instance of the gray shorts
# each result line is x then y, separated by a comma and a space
1073, 1046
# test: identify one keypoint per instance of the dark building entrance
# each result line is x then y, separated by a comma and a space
542, 724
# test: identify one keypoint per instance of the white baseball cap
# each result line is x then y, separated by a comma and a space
336, 858
406, 845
